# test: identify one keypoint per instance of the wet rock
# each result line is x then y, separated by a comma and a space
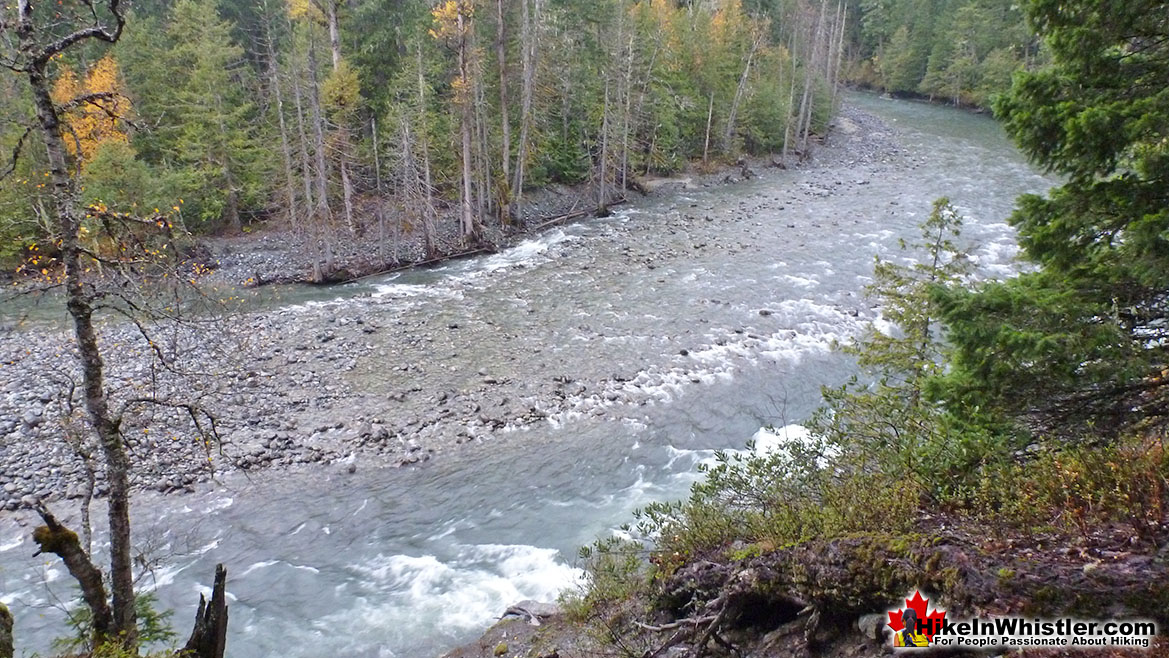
33, 418
872, 626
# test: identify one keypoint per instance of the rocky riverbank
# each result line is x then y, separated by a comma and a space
352, 384
277, 254
829, 596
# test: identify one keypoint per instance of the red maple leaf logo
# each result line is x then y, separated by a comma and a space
931, 623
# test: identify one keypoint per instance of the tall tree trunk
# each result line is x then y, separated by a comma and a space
529, 39
466, 202
627, 109
815, 50
285, 148
377, 178
346, 182
485, 203
506, 209
343, 132
834, 66
709, 120
334, 32
729, 134
324, 214
67, 223
303, 140
602, 178
428, 213
789, 117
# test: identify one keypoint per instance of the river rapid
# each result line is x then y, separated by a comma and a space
681, 325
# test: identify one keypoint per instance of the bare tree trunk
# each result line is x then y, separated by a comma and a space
334, 32
834, 65
467, 201
814, 50
428, 214
324, 215
506, 209
302, 138
330, 11
485, 203
285, 149
602, 178
309, 228
709, 120
380, 206
791, 97
805, 101
79, 304
627, 110
729, 134
529, 39
346, 183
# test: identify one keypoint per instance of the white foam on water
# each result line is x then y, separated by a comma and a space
880, 324
769, 440
15, 542
257, 566
220, 504
527, 252
694, 457
401, 290
798, 281
417, 595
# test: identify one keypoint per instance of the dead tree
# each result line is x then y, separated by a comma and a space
209, 637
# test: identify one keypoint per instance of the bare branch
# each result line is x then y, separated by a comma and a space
11, 168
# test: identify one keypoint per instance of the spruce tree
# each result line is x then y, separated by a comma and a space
1081, 344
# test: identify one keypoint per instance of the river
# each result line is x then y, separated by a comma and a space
696, 318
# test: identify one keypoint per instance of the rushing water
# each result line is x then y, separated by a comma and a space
411, 562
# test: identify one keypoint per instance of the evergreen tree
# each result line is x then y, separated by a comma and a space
211, 136
1081, 344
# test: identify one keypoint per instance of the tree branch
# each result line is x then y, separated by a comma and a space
55, 538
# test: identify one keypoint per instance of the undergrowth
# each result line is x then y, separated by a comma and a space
883, 455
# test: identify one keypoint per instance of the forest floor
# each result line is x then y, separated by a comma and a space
279, 381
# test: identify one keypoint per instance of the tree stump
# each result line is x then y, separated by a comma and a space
209, 637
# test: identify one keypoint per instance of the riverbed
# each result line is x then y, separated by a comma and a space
505, 410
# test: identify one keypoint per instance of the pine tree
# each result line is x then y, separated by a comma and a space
1081, 345
211, 136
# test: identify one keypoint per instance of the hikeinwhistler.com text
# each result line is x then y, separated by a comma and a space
1019, 632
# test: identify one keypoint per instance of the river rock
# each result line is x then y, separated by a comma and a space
533, 611
872, 625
